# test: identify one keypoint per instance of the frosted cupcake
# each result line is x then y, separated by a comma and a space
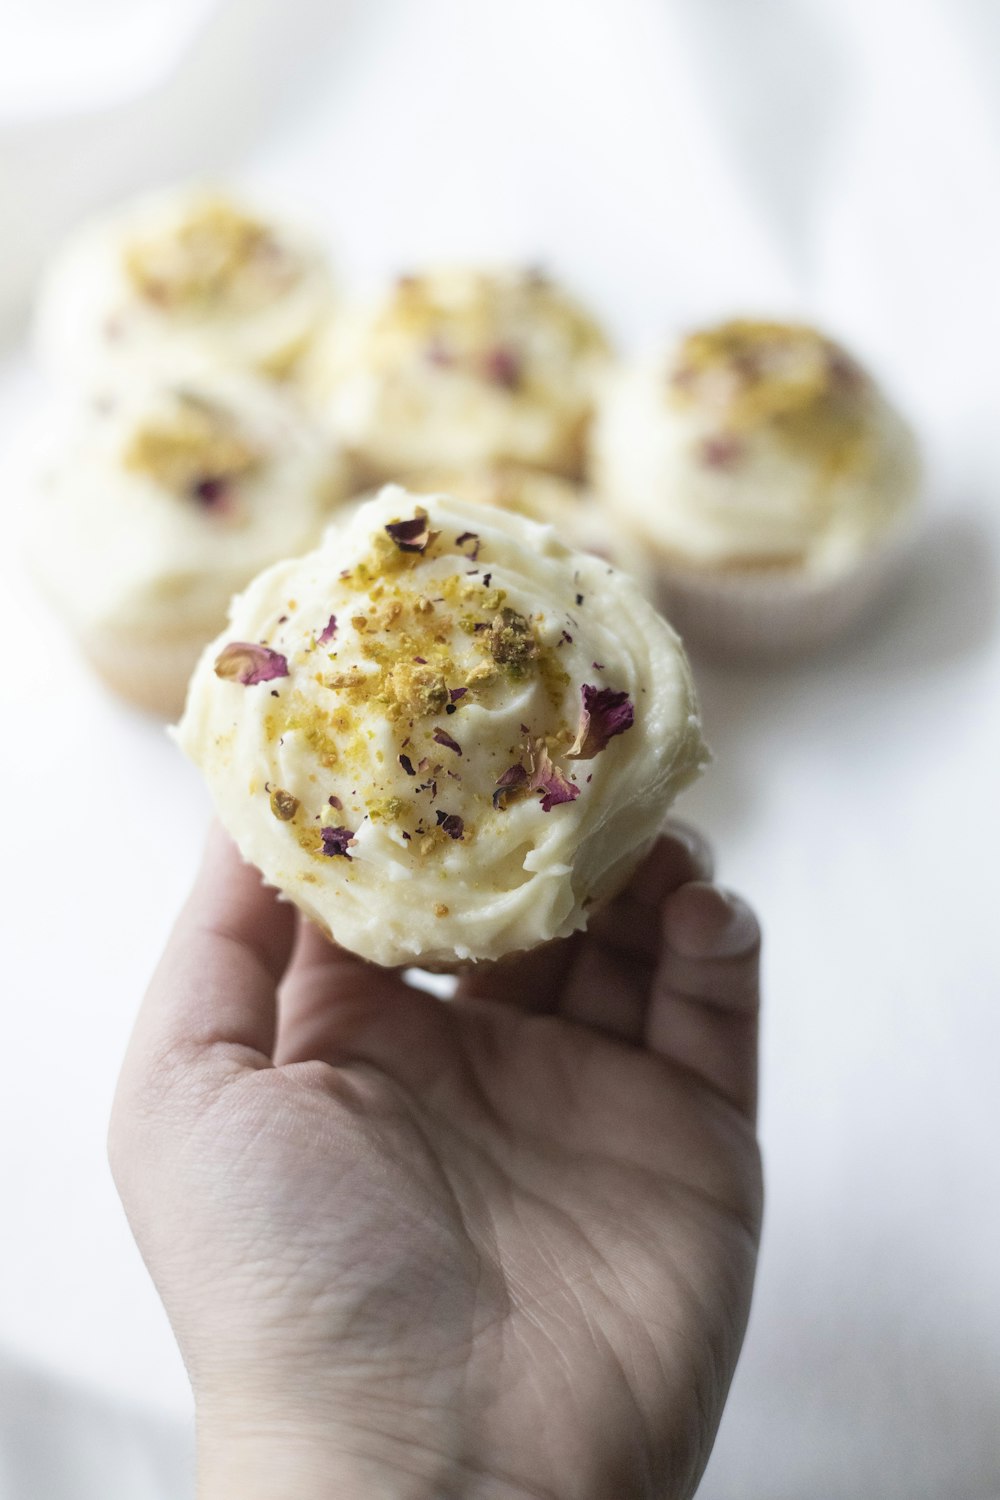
771, 478
444, 735
459, 368
168, 497
189, 272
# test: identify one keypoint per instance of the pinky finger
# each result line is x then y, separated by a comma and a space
706, 991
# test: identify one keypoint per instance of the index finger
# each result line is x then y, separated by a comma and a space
216, 984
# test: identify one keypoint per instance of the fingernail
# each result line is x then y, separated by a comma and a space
739, 930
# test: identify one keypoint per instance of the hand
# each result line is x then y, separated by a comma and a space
498, 1247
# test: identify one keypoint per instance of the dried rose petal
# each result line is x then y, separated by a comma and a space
329, 631
845, 373
437, 352
442, 737
412, 536
457, 693
604, 714
513, 780
559, 790
451, 824
722, 451
549, 780
213, 492
469, 536
407, 765
245, 662
336, 841
502, 366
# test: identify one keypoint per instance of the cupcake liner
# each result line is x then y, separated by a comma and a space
150, 675
777, 614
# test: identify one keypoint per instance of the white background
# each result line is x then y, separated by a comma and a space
674, 159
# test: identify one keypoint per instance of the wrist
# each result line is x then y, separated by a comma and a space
249, 1459
273, 1463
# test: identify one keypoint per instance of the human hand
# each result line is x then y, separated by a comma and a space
496, 1247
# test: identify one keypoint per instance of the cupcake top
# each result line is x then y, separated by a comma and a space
443, 734
755, 444
171, 493
189, 269
460, 367
570, 509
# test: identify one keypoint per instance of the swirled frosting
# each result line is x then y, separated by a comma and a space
570, 509
458, 368
754, 444
443, 734
189, 271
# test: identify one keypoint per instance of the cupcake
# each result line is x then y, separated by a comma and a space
444, 735
768, 475
188, 271
569, 508
169, 495
460, 368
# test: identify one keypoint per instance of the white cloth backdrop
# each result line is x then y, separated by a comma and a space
838, 158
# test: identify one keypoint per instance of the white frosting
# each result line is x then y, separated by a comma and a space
460, 368
570, 509
115, 294
801, 462
126, 544
406, 639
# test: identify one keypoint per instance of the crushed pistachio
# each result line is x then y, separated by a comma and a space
387, 809
481, 676
284, 805
195, 449
512, 642
786, 377
216, 255
419, 690
315, 726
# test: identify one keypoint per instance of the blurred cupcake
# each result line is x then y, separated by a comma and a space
458, 368
569, 509
772, 480
189, 271
169, 496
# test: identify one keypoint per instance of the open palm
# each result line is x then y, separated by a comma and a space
497, 1246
